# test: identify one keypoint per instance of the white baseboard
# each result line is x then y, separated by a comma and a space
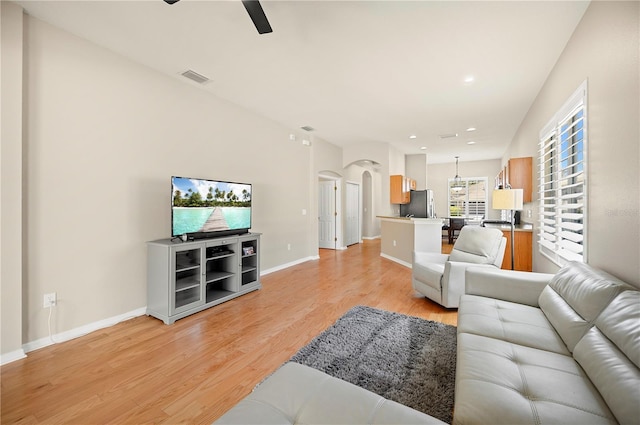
12, 356
395, 260
82, 330
287, 265
371, 237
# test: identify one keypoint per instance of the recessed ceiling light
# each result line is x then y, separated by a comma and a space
471, 142
413, 136
471, 129
423, 148
469, 79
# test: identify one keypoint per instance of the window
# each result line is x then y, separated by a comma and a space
562, 182
468, 197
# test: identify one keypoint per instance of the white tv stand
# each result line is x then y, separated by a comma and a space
184, 278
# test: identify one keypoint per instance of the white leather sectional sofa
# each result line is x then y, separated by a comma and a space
532, 349
298, 394
548, 349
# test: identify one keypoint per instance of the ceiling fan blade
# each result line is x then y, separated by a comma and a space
257, 16
254, 9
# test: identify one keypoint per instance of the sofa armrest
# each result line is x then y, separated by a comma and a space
453, 281
507, 285
429, 257
300, 394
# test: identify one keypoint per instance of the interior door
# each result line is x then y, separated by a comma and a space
353, 214
327, 214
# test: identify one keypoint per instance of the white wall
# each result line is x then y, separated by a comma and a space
416, 168
103, 137
604, 50
330, 158
368, 216
373, 151
11, 182
390, 161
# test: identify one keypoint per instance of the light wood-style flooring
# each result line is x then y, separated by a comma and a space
143, 371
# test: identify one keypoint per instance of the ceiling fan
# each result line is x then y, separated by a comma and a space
254, 9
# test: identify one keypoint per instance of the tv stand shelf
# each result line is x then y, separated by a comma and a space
184, 278
187, 284
214, 276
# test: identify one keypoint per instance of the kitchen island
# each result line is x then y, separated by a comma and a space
400, 236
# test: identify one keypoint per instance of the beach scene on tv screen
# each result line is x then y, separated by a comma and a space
209, 206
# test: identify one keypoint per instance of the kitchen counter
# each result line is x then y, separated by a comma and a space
400, 236
523, 227
439, 221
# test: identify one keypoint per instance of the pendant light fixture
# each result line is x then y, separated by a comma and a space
457, 179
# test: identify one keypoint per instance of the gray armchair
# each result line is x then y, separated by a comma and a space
441, 277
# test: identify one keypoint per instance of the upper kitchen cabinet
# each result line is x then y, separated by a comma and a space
399, 189
520, 176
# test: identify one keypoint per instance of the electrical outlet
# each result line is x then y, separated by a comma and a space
49, 300
394, 243
288, 247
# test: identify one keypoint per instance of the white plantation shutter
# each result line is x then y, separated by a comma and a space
547, 183
477, 197
469, 197
562, 182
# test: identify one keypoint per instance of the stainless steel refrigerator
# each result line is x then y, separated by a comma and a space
421, 205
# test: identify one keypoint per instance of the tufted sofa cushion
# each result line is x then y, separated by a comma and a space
576, 295
498, 382
610, 355
512, 322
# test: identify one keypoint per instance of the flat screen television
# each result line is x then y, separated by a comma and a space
203, 208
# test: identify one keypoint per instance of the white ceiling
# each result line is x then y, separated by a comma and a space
356, 71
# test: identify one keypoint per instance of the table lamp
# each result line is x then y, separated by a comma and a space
509, 199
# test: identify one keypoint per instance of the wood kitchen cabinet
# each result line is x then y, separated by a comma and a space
523, 248
520, 176
399, 189
523, 234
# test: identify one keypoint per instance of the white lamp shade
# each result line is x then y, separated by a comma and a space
508, 199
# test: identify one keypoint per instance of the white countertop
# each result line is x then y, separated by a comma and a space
413, 220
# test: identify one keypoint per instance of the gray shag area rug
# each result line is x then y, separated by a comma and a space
405, 359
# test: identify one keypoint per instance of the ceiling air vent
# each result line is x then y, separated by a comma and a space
307, 128
192, 75
448, 136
